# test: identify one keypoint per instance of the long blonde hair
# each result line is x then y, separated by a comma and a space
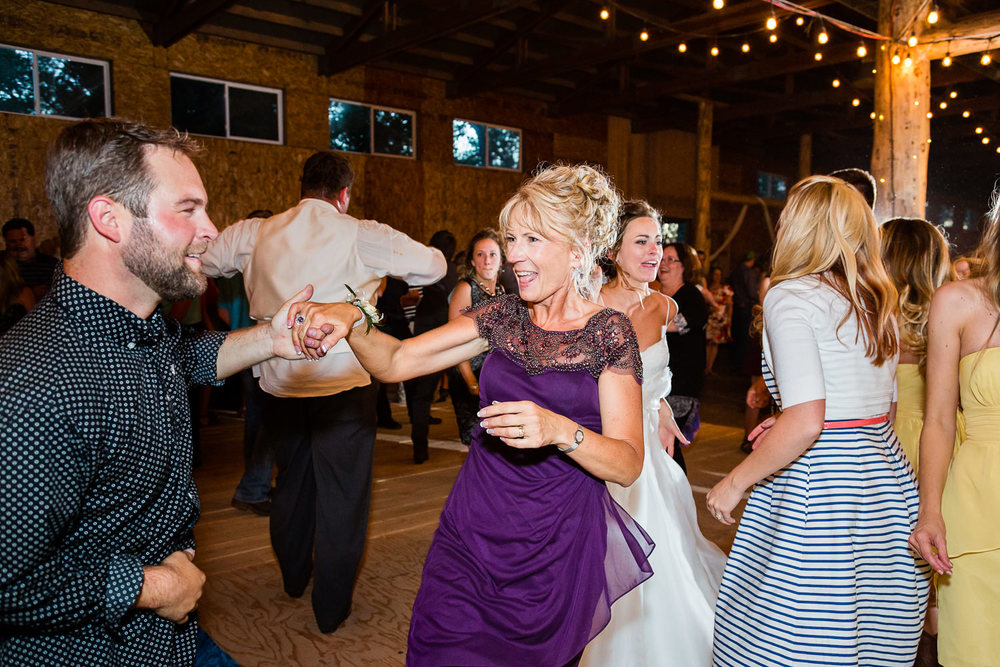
574, 203
916, 257
989, 253
827, 229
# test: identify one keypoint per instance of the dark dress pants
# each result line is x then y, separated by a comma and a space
324, 447
258, 459
419, 396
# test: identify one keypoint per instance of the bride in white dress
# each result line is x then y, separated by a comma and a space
668, 620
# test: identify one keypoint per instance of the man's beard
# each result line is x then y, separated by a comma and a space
152, 264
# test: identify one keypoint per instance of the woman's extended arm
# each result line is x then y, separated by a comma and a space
323, 324
461, 298
615, 456
793, 432
937, 439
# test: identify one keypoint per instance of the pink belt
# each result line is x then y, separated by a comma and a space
852, 423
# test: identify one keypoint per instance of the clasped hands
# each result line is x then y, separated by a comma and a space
317, 327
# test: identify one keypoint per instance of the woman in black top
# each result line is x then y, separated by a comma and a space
685, 338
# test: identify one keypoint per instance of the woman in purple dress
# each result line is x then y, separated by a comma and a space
531, 549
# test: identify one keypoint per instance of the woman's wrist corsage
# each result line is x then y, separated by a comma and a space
368, 311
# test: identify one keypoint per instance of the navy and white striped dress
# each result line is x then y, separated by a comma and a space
820, 571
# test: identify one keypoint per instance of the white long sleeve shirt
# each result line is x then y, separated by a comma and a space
313, 243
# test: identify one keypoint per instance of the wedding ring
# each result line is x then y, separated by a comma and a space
299, 319
718, 517
520, 431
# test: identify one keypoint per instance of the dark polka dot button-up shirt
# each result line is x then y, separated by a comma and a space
95, 453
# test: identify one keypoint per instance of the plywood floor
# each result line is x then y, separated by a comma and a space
247, 613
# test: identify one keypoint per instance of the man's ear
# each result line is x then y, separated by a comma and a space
104, 218
344, 200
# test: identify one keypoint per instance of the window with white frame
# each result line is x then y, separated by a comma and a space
483, 145
226, 109
363, 128
51, 84
771, 186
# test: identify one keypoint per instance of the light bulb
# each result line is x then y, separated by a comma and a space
930, 115
718, 4
862, 51
985, 60
715, 51
772, 23
946, 61
682, 47
605, 14
872, 115
644, 35
953, 94
943, 105
912, 41
933, 17
822, 37
799, 21
979, 130
855, 102
908, 62
986, 140
966, 114
773, 38
836, 83
818, 56
895, 59
881, 117
998, 149
745, 48
916, 103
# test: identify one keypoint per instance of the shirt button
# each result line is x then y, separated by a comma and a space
131, 346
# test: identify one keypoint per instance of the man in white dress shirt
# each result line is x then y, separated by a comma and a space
320, 416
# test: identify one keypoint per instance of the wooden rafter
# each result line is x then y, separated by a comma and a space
485, 59
713, 22
418, 33
174, 27
962, 37
352, 31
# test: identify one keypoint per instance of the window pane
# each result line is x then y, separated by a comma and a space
198, 106
253, 114
469, 143
70, 88
505, 148
393, 133
17, 92
349, 127
763, 184
779, 187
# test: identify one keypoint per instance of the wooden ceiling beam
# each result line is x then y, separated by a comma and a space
417, 33
486, 58
712, 22
967, 35
800, 101
755, 71
352, 31
171, 29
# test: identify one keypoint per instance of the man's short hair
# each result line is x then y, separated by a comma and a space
860, 180
103, 157
325, 174
19, 223
444, 241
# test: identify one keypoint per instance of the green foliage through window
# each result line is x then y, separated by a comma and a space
362, 128
482, 145
38, 83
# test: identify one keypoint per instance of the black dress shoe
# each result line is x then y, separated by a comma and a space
389, 423
262, 508
442, 396
433, 420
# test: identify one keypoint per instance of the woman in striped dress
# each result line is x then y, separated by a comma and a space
820, 570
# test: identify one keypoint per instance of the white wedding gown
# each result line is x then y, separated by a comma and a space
667, 620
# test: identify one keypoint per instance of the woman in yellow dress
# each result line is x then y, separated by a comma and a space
916, 258
957, 529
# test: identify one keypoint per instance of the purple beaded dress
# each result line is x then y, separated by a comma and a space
531, 549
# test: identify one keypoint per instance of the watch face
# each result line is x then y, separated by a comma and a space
578, 438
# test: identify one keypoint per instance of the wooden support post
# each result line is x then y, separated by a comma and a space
701, 235
902, 100
805, 156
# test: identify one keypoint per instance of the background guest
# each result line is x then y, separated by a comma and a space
718, 329
35, 267
16, 298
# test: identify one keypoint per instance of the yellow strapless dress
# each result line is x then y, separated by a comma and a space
912, 393
969, 599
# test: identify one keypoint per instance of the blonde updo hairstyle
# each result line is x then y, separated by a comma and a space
572, 203
916, 257
827, 229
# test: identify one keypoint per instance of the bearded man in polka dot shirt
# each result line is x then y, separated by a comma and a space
98, 503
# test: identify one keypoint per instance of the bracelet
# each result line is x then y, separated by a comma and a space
577, 439
368, 311
474, 387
